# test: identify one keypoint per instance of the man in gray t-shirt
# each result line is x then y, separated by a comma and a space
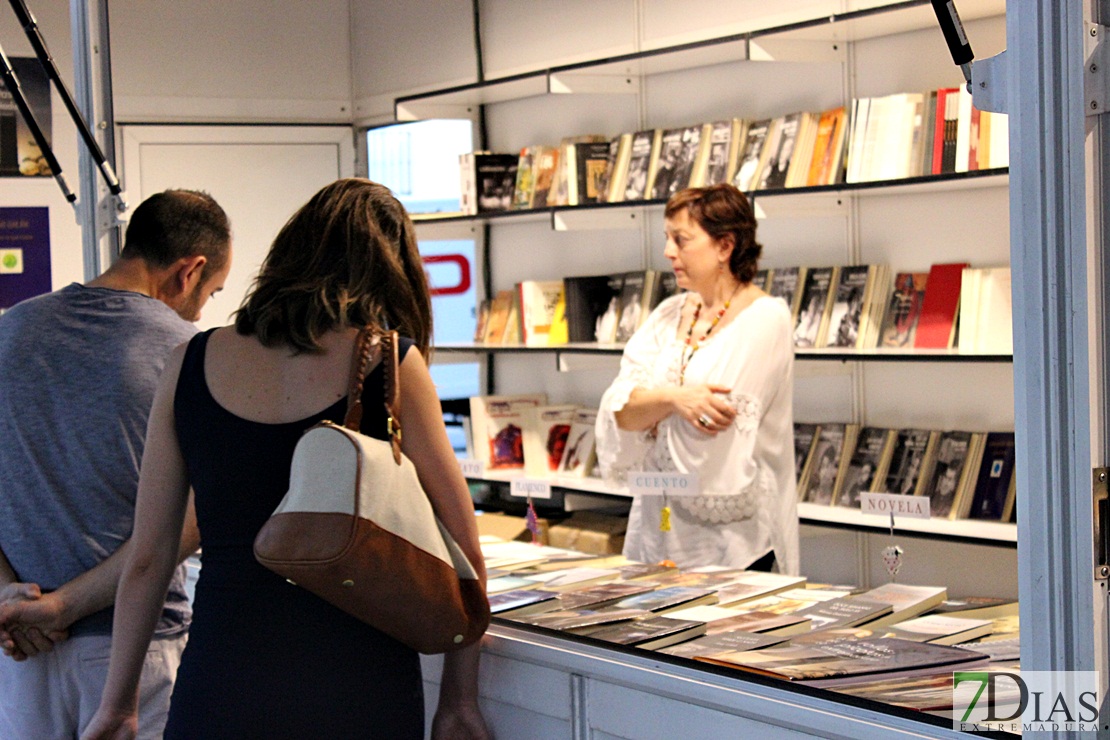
78, 371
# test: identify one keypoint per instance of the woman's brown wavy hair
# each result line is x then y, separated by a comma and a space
348, 257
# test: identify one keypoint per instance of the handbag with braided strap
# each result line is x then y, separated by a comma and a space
357, 529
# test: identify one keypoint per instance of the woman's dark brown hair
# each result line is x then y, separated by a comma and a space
348, 257
724, 213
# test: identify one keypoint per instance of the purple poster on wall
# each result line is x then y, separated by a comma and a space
24, 254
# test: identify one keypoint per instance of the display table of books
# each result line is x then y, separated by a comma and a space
585, 644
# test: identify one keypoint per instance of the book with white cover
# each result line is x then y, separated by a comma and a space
908, 601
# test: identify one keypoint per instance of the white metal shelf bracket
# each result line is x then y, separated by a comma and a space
989, 79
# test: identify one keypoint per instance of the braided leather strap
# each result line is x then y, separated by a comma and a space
364, 346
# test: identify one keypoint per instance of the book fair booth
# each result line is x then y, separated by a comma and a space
935, 222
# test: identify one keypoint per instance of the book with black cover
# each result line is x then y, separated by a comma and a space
520, 602
631, 304
863, 465
668, 599
650, 633
847, 306
582, 621
734, 641
786, 283
994, 488
910, 452
813, 313
778, 163
639, 165
588, 297
942, 482
844, 661
751, 156
846, 611
677, 153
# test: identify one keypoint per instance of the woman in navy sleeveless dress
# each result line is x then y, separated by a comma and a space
266, 659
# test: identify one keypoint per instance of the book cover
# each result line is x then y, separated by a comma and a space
579, 454
538, 300
617, 171
588, 298
815, 307
863, 466
639, 163
777, 165
940, 629
830, 663
573, 578
720, 146
582, 621
721, 620
904, 310
942, 482
787, 283
978, 607
519, 602
748, 169
545, 163
608, 323
937, 325
644, 571
546, 429
525, 179
906, 600
594, 596
845, 611
591, 164
847, 306
805, 435
754, 585
631, 304
798, 171
675, 163
650, 633
734, 641
993, 484
908, 457
825, 465
497, 424
668, 599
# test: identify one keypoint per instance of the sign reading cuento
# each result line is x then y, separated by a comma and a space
660, 484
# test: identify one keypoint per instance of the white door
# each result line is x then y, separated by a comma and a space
259, 174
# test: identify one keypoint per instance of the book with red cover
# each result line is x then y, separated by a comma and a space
936, 327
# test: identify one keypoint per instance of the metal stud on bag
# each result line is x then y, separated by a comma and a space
348, 582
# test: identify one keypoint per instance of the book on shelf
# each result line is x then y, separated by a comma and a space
827, 161
782, 139
940, 629
734, 641
828, 459
545, 166
498, 320
579, 454
798, 171
721, 620
721, 153
906, 600
873, 447
986, 322
634, 297
993, 494
840, 662
815, 308
787, 283
951, 469
850, 317
752, 154
498, 427
643, 151
674, 164
903, 310
487, 181
586, 164
964, 114
525, 179
669, 599
909, 454
481, 319
978, 607
514, 332
844, 611
588, 298
620, 159
762, 279
538, 301
546, 429
805, 436
608, 322
650, 633
936, 329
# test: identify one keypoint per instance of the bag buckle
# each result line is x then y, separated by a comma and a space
393, 428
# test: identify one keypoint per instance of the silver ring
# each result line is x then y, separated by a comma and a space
705, 421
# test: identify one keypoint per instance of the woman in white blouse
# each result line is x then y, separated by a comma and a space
706, 387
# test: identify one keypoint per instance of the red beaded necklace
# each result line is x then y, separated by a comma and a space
691, 346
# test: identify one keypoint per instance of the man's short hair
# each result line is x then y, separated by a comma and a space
179, 223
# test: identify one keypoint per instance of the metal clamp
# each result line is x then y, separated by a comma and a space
1101, 520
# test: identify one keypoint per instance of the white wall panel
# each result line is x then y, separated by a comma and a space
218, 61
522, 36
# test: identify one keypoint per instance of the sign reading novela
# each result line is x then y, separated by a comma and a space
659, 484
1025, 701
885, 504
